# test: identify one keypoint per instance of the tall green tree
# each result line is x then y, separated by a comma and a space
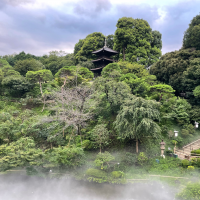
84, 48
39, 77
137, 119
161, 90
109, 95
169, 69
23, 66
134, 39
101, 135
192, 34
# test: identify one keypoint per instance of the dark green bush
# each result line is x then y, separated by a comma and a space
185, 163
198, 162
130, 158
96, 173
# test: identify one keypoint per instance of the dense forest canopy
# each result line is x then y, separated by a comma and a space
52, 109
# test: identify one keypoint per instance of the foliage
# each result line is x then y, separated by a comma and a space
96, 173
192, 34
56, 60
190, 168
190, 192
117, 174
69, 157
23, 66
101, 135
138, 86
164, 165
130, 158
20, 153
111, 70
177, 110
142, 159
102, 160
16, 85
134, 38
194, 152
84, 48
169, 69
73, 75
110, 95
136, 119
135, 68
185, 163
162, 91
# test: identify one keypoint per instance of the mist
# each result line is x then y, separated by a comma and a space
23, 187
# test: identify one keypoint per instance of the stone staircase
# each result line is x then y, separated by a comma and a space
185, 152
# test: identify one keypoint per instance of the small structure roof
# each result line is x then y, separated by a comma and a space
105, 48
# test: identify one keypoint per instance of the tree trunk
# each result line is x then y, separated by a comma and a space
42, 95
44, 102
100, 148
41, 88
124, 53
161, 97
136, 145
51, 146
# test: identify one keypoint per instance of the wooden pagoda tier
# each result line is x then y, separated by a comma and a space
103, 59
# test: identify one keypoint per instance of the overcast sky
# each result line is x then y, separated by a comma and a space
40, 26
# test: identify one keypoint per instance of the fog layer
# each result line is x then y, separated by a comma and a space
21, 187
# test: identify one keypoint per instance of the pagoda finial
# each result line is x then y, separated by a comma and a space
105, 42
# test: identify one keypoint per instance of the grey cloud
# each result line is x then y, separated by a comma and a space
91, 7
176, 23
42, 30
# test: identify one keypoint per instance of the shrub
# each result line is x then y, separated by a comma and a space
193, 161
63, 156
191, 191
190, 168
87, 144
117, 174
142, 158
185, 163
130, 158
96, 173
102, 159
194, 152
198, 162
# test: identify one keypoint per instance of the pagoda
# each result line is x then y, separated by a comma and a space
103, 58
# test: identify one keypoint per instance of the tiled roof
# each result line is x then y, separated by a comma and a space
103, 58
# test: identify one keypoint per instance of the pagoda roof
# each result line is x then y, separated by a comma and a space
96, 68
105, 48
103, 58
